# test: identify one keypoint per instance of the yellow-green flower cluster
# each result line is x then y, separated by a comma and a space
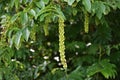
61, 43
45, 27
86, 23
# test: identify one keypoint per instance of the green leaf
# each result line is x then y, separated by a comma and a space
93, 49
95, 68
44, 11
40, 4
78, 0
12, 2
76, 74
16, 4
108, 50
25, 1
108, 70
42, 17
24, 18
46, 1
11, 31
113, 4
87, 5
99, 9
32, 12
13, 19
11, 41
118, 3
107, 10
17, 39
70, 2
102, 34
105, 67
10, 34
1, 75
26, 34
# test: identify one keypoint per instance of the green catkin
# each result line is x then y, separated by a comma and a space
61, 43
45, 27
86, 23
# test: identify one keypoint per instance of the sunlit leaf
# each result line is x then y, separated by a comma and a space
13, 19
78, 0
32, 12
26, 34
24, 18
70, 2
11, 41
17, 39
87, 4
40, 4
46, 1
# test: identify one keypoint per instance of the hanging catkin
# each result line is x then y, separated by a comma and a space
86, 22
61, 43
45, 27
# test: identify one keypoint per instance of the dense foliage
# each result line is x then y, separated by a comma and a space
59, 39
